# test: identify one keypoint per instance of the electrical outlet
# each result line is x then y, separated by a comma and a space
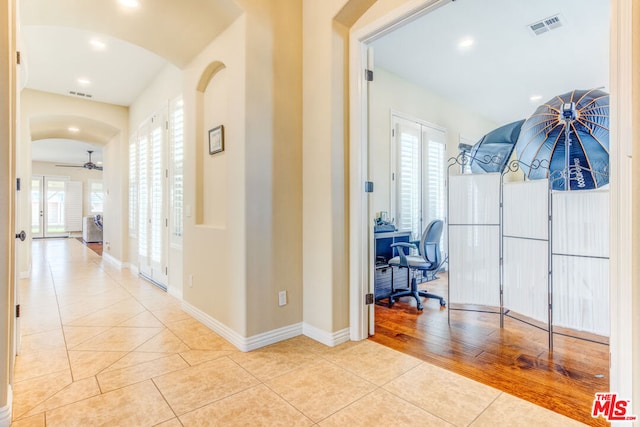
282, 298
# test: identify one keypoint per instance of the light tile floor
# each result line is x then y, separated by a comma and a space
101, 347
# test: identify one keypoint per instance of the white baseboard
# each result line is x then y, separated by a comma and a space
174, 292
331, 339
5, 411
243, 343
112, 260
134, 268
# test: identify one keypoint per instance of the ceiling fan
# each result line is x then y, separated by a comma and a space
89, 165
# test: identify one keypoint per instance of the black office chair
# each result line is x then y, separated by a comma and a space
427, 263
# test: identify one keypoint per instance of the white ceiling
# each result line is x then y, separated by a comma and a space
65, 151
56, 57
54, 43
495, 77
507, 64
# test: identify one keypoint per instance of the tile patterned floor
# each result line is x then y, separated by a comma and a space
100, 347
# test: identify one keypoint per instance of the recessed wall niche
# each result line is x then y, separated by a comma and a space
211, 170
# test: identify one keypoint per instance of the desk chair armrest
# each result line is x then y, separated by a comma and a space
403, 256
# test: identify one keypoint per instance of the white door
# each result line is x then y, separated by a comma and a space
153, 222
53, 205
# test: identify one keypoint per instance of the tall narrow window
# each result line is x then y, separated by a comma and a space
157, 187
143, 196
133, 186
418, 175
96, 196
176, 124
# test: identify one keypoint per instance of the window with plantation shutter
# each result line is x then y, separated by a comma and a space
133, 186
417, 174
157, 175
143, 197
176, 143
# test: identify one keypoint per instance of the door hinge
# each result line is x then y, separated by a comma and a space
368, 186
368, 299
166, 271
18, 59
17, 184
368, 75
18, 310
166, 222
393, 132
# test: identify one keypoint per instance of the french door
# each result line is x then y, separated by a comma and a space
48, 207
417, 174
153, 224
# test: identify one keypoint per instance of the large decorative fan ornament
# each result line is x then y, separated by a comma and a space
570, 134
88, 165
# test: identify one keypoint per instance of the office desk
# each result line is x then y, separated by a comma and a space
386, 279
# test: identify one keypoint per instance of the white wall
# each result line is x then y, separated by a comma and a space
390, 92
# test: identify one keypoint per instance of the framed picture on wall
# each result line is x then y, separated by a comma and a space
216, 139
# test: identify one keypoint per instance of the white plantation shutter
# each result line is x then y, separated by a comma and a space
143, 196
96, 196
177, 171
435, 175
418, 175
133, 186
157, 176
408, 183
72, 206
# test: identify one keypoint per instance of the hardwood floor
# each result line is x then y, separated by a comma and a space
95, 247
514, 359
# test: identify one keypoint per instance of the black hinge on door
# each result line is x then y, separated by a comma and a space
368, 186
18, 310
18, 57
166, 271
368, 75
368, 299
17, 184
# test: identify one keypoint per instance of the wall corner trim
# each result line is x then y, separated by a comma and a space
5, 411
331, 339
243, 343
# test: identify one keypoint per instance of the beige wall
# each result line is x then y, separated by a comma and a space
273, 163
243, 239
390, 92
214, 257
110, 128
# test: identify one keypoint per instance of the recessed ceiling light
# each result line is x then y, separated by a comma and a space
97, 44
83, 81
73, 129
466, 43
130, 3
535, 98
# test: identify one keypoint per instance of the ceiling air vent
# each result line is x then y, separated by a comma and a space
80, 94
547, 24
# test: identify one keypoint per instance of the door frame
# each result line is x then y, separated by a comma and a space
622, 338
